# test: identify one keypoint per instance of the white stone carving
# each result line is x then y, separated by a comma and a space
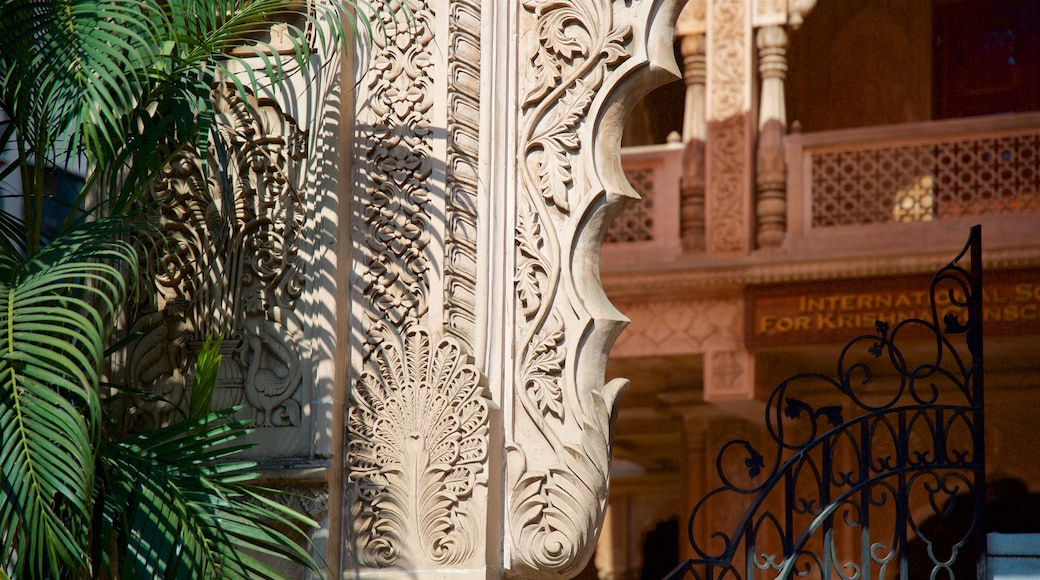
460, 256
417, 443
576, 53
419, 418
396, 131
417, 439
229, 261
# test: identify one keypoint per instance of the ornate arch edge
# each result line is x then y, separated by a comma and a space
557, 465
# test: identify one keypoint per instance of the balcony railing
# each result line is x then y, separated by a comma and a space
862, 187
914, 173
652, 223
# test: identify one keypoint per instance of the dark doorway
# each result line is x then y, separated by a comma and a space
661, 550
987, 57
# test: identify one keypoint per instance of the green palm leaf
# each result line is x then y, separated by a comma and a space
56, 309
76, 62
187, 510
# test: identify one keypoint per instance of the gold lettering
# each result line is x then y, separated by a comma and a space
825, 321
1023, 292
765, 323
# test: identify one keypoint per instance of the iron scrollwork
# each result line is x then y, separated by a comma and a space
879, 471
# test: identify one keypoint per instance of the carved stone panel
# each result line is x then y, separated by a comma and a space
574, 55
670, 327
229, 262
729, 161
418, 425
436, 228
418, 412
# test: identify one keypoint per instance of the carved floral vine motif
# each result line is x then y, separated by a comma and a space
398, 164
417, 441
576, 44
554, 508
418, 411
727, 132
228, 261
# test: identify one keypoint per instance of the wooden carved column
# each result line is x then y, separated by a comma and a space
695, 131
771, 174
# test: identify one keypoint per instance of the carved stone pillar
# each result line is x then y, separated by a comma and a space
730, 140
771, 173
694, 76
486, 171
695, 131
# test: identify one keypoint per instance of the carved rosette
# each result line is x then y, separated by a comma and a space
416, 447
558, 451
228, 261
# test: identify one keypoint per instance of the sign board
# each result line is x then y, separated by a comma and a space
837, 311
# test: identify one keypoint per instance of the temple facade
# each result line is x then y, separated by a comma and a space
831, 156
440, 239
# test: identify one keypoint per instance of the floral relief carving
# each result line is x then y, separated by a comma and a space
728, 201
312, 500
727, 161
728, 76
398, 162
556, 495
229, 261
576, 43
418, 411
416, 446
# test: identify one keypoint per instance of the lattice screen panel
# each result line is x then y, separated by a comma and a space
872, 186
926, 182
637, 223
988, 176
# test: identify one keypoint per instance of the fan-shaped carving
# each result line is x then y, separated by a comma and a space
416, 444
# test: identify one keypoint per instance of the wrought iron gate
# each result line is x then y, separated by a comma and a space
878, 472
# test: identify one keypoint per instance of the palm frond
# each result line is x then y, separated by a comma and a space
75, 68
188, 510
56, 309
206, 367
